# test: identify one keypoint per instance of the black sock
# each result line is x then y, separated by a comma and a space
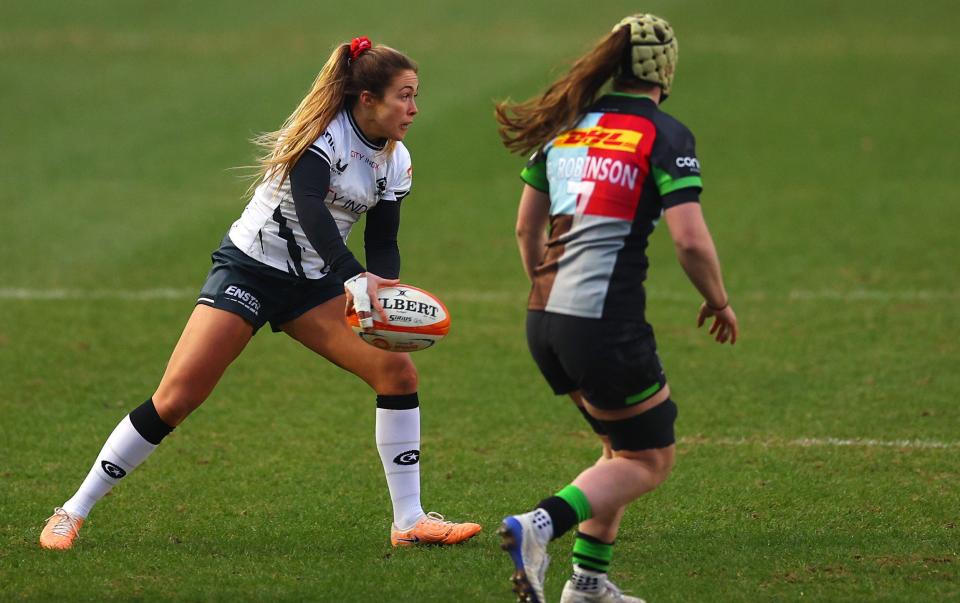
561, 514
148, 423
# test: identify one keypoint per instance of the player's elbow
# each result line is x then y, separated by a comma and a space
688, 243
525, 231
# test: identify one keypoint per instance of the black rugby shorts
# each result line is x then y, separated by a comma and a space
613, 362
259, 293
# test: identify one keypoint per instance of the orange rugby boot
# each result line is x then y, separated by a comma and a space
432, 528
61, 530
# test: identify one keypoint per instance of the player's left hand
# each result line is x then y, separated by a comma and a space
724, 325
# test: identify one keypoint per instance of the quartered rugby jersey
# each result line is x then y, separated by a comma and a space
609, 179
360, 177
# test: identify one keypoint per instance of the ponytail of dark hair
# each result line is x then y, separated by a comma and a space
530, 124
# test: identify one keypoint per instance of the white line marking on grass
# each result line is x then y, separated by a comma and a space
74, 294
873, 295
818, 442
482, 296
502, 296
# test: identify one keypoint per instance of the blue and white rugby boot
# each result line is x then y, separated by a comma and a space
525, 539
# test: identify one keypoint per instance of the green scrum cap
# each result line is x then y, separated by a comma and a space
653, 49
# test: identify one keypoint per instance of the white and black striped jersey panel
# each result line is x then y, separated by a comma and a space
320, 152
360, 177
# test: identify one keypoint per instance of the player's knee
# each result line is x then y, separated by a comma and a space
175, 401
653, 465
398, 375
660, 464
173, 409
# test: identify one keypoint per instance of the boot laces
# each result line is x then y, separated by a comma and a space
66, 524
438, 518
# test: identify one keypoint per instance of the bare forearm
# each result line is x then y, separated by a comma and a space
532, 218
699, 260
531, 246
698, 256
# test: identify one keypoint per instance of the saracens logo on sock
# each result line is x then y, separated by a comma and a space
112, 470
409, 457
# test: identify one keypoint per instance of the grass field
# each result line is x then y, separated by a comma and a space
819, 459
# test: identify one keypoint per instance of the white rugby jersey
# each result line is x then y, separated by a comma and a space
360, 177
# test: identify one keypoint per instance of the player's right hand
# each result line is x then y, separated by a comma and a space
361, 293
724, 325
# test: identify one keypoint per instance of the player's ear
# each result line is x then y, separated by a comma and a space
367, 98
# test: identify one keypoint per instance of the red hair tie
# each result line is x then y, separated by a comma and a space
358, 46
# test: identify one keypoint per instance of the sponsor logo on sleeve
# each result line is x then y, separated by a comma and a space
688, 162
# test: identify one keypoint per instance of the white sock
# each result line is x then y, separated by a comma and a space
398, 442
588, 581
123, 451
542, 524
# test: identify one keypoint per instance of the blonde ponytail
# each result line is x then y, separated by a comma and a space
308, 121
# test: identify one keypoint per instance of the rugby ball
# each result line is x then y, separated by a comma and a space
415, 320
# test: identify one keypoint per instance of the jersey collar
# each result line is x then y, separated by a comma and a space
360, 135
621, 102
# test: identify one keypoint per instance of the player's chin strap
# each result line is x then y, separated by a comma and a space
357, 286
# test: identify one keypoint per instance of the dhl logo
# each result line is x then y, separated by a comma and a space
600, 138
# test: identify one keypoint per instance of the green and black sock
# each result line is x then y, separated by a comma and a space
566, 509
591, 560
